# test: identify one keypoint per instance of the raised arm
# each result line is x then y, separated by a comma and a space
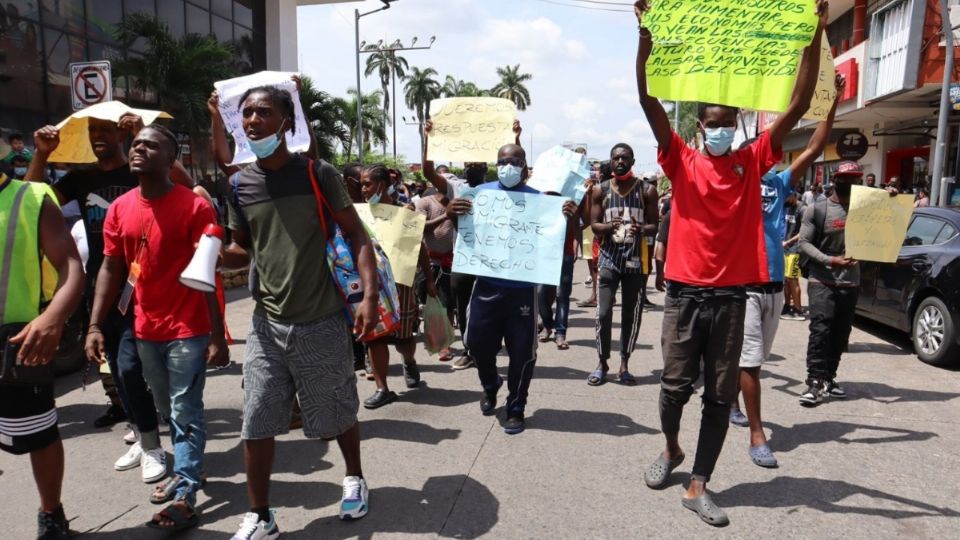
806, 82
218, 131
819, 139
46, 140
652, 108
429, 172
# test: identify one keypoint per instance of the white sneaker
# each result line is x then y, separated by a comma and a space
131, 436
354, 505
253, 528
130, 460
154, 465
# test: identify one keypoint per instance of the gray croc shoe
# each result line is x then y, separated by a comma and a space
710, 513
658, 472
763, 456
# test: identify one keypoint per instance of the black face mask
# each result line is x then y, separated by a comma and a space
842, 189
475, 175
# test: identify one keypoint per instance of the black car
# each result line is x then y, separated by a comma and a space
920, 293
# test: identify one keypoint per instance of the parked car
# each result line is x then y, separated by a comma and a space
920, 293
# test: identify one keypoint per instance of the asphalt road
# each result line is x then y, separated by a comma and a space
881, 464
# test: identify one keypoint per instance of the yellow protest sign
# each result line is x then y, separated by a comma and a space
470, 129
876, 224
588, 240
741, 54
826, 92
75, 141
399, 232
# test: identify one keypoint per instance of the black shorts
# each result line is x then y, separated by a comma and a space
28, 418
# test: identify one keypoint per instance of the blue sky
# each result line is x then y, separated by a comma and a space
583, 89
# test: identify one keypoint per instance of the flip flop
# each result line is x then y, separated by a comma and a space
587, 303
597, 378
763, 456
562, 344
446, 355
710, 513
181, 521
658, 472
626, 379
545, 335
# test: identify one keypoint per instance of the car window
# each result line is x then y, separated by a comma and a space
923, 231
946, 234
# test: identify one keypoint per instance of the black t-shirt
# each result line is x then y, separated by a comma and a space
663, 233
95, 190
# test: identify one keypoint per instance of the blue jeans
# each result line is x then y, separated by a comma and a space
546, 297
127, 371
176, 373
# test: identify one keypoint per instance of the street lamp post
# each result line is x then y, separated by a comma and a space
395, 46
356, 19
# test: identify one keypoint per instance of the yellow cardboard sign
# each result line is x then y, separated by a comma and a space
588, 240
470, 129
826, 92
75, 141
741, 54
876, 224
399, 232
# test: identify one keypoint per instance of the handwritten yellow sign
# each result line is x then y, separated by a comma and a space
399, 232
75, 141
826, 92
741, 54
876, 224
470, 129
588, 240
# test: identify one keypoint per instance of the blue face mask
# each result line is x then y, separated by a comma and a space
265, 147
19, 172
509, 175
719, 140
375, 198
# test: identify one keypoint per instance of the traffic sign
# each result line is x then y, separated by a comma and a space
91, 83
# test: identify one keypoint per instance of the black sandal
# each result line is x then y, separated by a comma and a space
181, 521
166, 491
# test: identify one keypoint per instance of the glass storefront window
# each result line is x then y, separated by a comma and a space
243, 48
171, 12
102, 18
64, 14
224, 8
243, 13
205, 4
222, 29
16, 11
198, 20
61, 50
20, 55
139, 6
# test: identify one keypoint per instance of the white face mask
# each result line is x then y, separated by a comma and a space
719, 140
509, 175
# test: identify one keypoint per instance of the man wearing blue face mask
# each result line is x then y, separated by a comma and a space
719, 249
504, 311
18, 167
765, 300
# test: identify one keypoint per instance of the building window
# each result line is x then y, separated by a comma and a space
198, 20
146, 7
171, 12
19, 10
102, 18
243, 13
64, 15
222, 29
223, 8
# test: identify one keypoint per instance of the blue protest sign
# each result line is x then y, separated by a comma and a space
511, 235
562, 171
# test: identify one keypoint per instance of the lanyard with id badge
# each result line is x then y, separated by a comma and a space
135, 270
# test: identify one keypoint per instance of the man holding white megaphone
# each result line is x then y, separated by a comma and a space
151, 231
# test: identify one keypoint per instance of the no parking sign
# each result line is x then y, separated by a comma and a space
91, 83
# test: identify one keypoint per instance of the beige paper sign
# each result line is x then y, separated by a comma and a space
399, 232
75, 141
826, 91
876, 224
470, 129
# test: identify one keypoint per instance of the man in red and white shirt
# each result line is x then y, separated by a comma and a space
718, 249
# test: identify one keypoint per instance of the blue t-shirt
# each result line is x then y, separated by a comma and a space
774, 190
509, 283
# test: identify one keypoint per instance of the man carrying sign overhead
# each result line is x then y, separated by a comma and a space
719, 249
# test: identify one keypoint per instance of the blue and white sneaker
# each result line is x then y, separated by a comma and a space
254, 528
354, 504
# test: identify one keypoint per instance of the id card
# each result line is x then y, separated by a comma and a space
127, 295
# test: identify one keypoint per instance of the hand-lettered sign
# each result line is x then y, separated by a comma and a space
876, 224
510, 235
470, 129
399, 232
75, 138
230, 92
741, 54
561, 171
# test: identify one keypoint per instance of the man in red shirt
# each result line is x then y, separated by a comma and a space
151, 231
719, 248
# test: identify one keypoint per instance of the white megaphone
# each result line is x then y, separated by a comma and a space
201, 272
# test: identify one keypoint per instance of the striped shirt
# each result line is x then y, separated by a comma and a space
622, 250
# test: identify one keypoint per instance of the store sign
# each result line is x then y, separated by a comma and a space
91, 83
852, 146
955, 96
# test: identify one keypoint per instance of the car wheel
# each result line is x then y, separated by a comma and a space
934, 333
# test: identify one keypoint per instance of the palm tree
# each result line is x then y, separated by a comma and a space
374, 123
389, 66
511, 86
454, 87
325, 117
688, 119
177, 73
421, 88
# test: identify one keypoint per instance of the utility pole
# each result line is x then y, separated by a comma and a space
939, 156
